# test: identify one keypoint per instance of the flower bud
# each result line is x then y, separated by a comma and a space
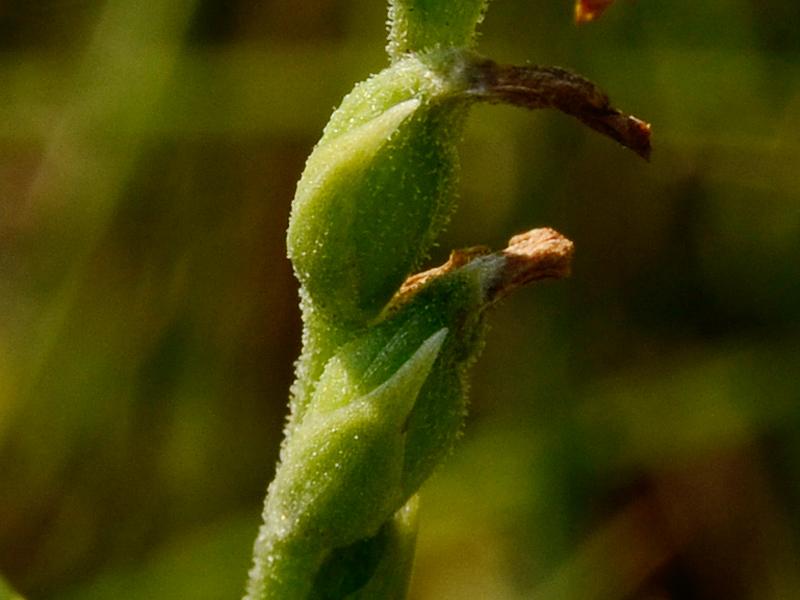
378, 188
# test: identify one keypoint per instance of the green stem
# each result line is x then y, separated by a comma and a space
419, 25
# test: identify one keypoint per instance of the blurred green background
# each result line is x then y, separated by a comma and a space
635, 430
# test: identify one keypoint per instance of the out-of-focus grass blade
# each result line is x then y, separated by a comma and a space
89, 151
7, 593
205, 564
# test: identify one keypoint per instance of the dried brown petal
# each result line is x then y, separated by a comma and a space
553, 87
531, 256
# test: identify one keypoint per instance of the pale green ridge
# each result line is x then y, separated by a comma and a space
426, 76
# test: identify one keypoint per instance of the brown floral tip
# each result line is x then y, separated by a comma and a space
589, 10
532, 256
458, 258
536, 87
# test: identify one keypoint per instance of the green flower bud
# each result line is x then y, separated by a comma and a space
344, 439
378, 188
326, 494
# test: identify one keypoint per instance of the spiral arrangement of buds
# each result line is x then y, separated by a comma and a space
380, 391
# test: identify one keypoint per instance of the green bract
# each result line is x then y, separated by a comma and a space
377, 189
